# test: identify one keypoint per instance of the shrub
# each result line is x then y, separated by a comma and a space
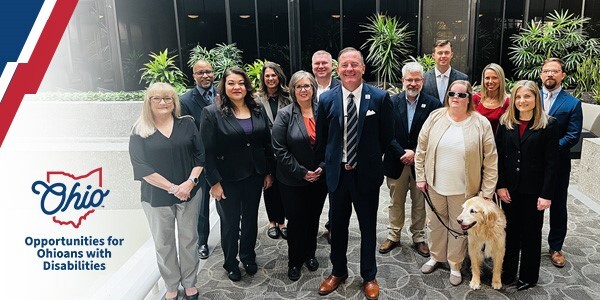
222, 57
162, 68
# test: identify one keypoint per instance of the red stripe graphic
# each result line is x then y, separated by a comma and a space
28, 76
97, 170
59, 222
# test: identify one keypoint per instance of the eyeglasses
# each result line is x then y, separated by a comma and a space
551, 72
167, 100
305, 87
458, 95
415, 80
200, 73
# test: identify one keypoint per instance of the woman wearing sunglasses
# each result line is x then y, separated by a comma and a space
455, 160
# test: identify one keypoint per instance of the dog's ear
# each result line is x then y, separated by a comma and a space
490, 216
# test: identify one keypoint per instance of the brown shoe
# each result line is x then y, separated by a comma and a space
371, 289
422, 249
387, 246
557, 258
331, 283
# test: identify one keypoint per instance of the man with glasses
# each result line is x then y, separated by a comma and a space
438, 79
567, 111
192, 103
411, 109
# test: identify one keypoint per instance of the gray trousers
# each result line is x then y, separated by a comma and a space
162, 221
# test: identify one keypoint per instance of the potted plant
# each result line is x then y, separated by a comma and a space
388, 46
162, 68
221, 57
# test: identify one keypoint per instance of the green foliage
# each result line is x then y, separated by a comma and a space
587, 77
221, 57
88, 96
563, 35
334, 65
388, 45
162, 68
426, 60
253, 70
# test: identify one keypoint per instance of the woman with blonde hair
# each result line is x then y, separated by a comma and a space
166, 154
493, 100
455, 160
527, 142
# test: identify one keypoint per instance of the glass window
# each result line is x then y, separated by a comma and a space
202, 22
273, 32
243, 28
407, 12
319, 28
487, 41
450, 23
592, 10
356, 13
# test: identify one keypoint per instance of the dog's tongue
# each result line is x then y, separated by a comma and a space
464, 227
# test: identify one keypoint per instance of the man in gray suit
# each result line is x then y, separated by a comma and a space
438, 79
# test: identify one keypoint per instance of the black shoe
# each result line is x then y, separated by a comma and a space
508, 279
294, 273
273, 232
192, 297
283, 232
203, 251
312, 264
251, 268
235, 275
521, 286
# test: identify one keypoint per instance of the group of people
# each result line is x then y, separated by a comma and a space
319, 136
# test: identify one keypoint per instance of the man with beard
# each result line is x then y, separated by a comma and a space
438, 79
192, 103
567, 111
411, 109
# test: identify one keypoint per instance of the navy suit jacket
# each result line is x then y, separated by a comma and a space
430, 85
566, 109
375, 133
192, 103
403, 139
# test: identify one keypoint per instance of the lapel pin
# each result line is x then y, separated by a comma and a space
367, 96
423, 105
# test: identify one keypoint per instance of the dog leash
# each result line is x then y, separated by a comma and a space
453, 232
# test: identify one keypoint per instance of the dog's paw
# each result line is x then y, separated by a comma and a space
475, 284
496, 285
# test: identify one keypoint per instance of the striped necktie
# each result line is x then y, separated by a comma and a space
351, 132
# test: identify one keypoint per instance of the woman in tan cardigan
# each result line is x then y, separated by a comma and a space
456, 159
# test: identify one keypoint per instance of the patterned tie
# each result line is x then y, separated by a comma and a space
547, 102
351, 132
208, 96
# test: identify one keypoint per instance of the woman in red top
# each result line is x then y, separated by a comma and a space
493, 100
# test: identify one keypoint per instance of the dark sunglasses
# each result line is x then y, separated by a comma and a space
459, 95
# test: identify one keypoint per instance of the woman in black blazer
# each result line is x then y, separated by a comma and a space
302, 181
527, 143
239, 158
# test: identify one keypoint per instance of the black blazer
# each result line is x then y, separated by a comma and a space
192, 103
295, 155
231, 154
430, 85
403, 139
527, 164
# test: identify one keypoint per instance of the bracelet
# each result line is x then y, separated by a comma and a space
173, 189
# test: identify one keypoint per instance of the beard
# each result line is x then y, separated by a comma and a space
412, 93
550, 84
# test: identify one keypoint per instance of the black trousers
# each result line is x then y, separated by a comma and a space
203, 219
365, 199
558, 209
241, 204
523, 235
304, 205
273, 204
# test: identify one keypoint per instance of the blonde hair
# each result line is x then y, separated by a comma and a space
502, 86
469, 92
511, 117
145, 126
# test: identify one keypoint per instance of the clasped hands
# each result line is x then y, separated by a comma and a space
313, 176
182, 191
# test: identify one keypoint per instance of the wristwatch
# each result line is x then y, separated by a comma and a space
194, 180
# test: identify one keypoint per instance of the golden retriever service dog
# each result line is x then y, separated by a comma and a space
485, 222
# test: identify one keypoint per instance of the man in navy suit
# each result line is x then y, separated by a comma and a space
438, 79
567, 111
354, 128
192, 103
322, 68
411, 109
